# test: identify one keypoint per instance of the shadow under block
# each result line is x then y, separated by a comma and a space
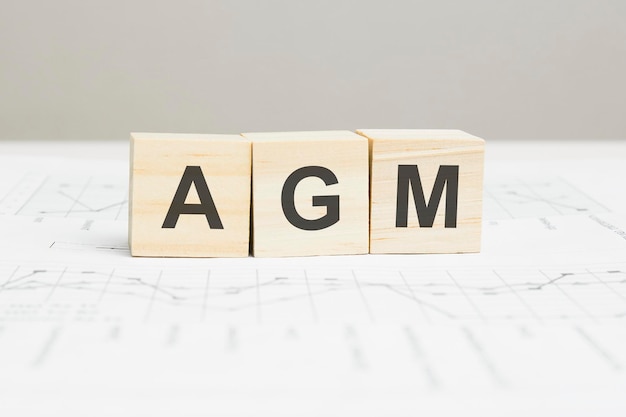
310, 193
175, 175
439, 161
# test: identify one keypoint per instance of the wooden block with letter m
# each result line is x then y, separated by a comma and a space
189, 195
426, 191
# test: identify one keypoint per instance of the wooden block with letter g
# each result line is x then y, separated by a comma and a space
426, 191
310, 193
189, 195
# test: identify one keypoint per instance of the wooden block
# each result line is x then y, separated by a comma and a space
310, 193
418, 177
189, 195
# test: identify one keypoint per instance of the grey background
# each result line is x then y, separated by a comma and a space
499, 69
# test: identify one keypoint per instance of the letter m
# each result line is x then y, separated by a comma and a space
408, 176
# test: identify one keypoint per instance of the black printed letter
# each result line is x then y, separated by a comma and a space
192, 175
330, 201
408, 174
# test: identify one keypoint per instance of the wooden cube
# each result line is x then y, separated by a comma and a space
310, 193
426, 191
189, 195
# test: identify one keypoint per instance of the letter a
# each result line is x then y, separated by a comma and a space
192, 175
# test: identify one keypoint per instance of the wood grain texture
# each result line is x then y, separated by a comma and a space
275, 157
428, 149
157, 163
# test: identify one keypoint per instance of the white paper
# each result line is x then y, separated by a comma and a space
532, 324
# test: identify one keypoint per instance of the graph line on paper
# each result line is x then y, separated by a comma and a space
102, 197
435, 295
517, 198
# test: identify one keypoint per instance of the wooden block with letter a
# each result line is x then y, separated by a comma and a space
426, 191
310, 193
189, 195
